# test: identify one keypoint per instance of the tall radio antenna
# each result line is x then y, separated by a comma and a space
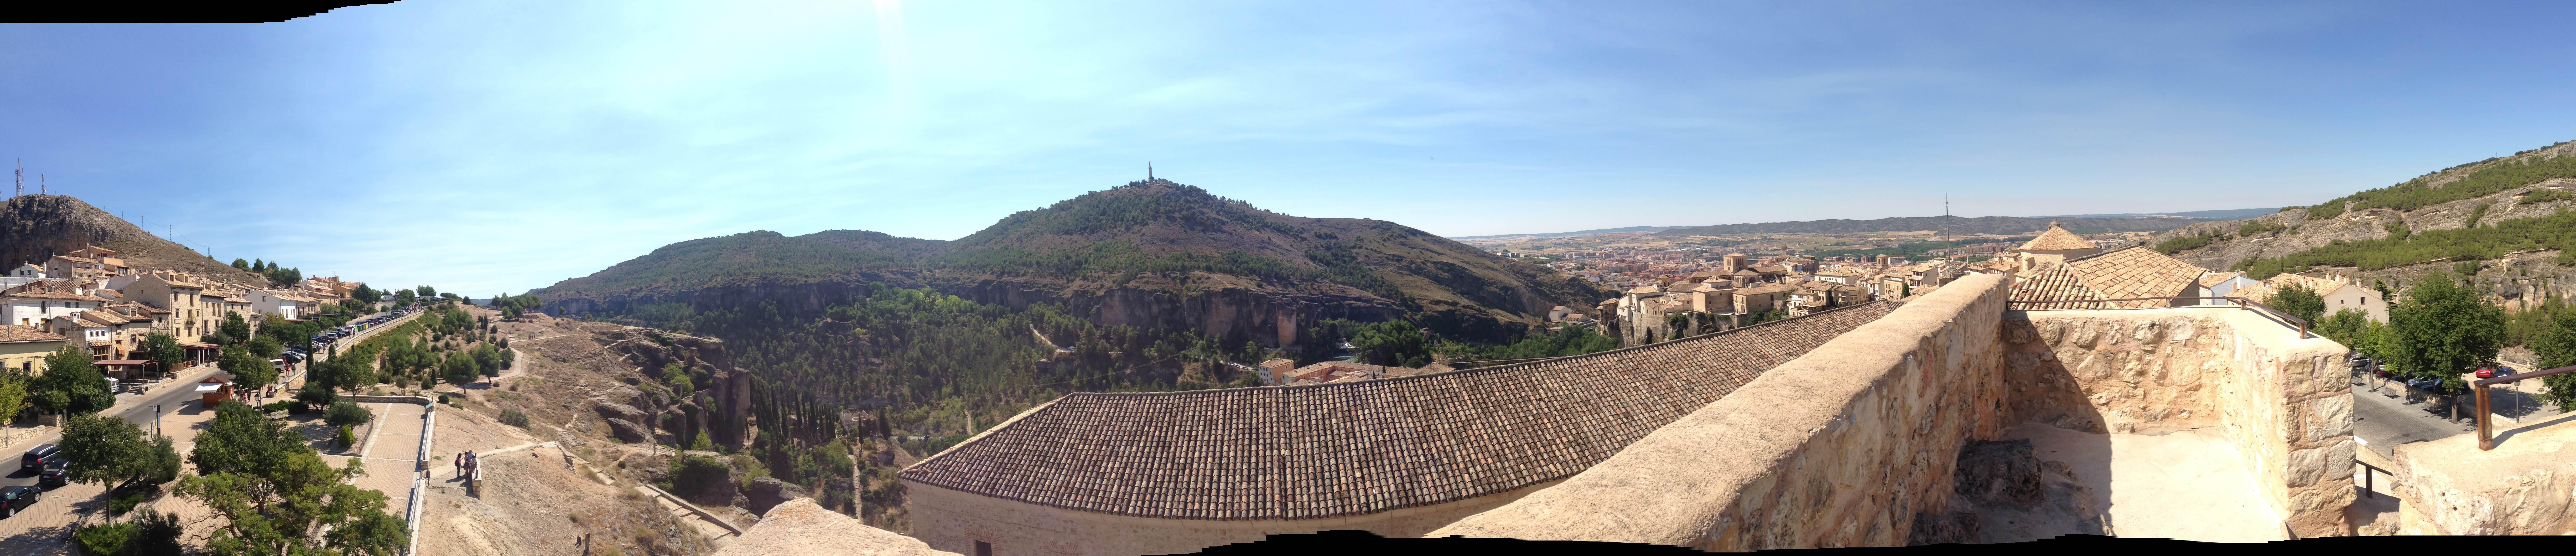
21, 175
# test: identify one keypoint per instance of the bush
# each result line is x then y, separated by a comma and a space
346, 438
345, 414
126, 502
514, 418
276, 406
298, 407
696, 476
315, 393
105, 539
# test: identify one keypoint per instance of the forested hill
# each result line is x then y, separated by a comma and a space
1954, 224
1152, 254
758, 255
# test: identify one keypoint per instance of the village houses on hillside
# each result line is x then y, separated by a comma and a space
2056, 269
92, 300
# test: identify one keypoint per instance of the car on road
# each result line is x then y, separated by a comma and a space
36, 457
15, 499
55, 473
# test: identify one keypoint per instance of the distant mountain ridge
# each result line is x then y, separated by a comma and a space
2227, 214
1952, 224
1148, 254
1629, 229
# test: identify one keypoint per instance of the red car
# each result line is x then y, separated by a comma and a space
2486, 372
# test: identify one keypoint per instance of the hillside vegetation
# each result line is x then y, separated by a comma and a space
2466, 181
2480, 211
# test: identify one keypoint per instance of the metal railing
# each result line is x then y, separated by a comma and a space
2238, 302
2486, 434
2368, 472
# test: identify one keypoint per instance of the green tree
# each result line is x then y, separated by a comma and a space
426, 291
317, 393
2443, 329
241, 264
2298, 301
265, 347
250, 372
110, 452
367, 295
274, 492
71, 384
13, 398
2556, 347
457, 369
1396, 343
164, 350
234, 328
404, 297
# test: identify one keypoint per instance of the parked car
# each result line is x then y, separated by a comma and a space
54, 473
16, 499
36, 457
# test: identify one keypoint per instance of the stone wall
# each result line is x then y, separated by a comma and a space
2525, 486
954, 521
1841, 447
2282, 400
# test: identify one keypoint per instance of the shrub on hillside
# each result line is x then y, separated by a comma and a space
514, 418
345, 414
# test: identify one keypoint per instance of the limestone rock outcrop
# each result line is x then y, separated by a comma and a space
768, 492
628, 430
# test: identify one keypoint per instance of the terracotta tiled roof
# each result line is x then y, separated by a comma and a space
104, 317
1765, 288
56, 294
1316, 451
2056, 239
2129, 273
16, 333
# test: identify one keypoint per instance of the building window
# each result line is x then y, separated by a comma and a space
983, 548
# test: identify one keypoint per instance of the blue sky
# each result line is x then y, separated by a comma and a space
489, 146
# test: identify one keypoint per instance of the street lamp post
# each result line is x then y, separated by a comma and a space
156, 419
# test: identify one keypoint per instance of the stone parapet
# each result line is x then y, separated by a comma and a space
2282, 400
1840, 447
2525, 486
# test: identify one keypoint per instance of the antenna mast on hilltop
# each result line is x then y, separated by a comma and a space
1149, 171
21, 175
1945, 218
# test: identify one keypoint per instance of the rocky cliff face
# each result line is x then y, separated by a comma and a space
34, 228
721, 407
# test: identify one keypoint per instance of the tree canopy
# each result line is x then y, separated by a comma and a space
275, 492
2442, 329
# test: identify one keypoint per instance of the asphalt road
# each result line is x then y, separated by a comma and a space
2383, 422
170, 396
